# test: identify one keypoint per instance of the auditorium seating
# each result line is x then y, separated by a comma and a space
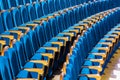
38, 36
83, 56
106, 46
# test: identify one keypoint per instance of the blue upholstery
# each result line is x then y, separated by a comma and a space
12, 3
5, 73
49, 32
19, 2
4, 4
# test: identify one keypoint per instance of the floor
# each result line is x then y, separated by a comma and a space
112, 72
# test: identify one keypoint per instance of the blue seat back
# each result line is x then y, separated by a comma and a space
47, 31
1, 25
62, 4
45, 7
38, 9
32, 12
18, 46
24, 14
34, 40
16, 17
57, 5
19, 2
12, 3
27, 45
41, 35
31, 1
5, 73
53, 27
51, 6
4, 4
13, 61
7, 20
26, 1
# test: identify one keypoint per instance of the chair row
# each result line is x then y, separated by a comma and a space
18, 21
50, 6
30, 17
30, 56
10, 23
97, 26
100, 55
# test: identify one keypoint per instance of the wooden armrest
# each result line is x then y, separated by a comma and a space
67, 58
98, 68
39, 71
116, 28
40, 62
69, 34
110, 39
2, 42
62, 76
101, 61
56, 14
55, 49
90, 22
113, 35
79, 27
59, 43
102, 16
64, 68
97, 18
71, 49
93, 20
11, 37
37, 21
106, 43
19, 33
100, 54
49, 17
45, 64
65, 33
24, 28
116, 32
63, 38
25, 79
76, 31
32, 25
102, 48
50, 56
96, 76
85, 25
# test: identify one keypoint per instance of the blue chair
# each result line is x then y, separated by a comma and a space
5, 73
12, 3
4, 5
51, 6
57, 5
38, 9
45, 7
17, 72
19, 2
26, 2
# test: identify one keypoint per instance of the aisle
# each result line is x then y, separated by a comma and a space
112, 72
